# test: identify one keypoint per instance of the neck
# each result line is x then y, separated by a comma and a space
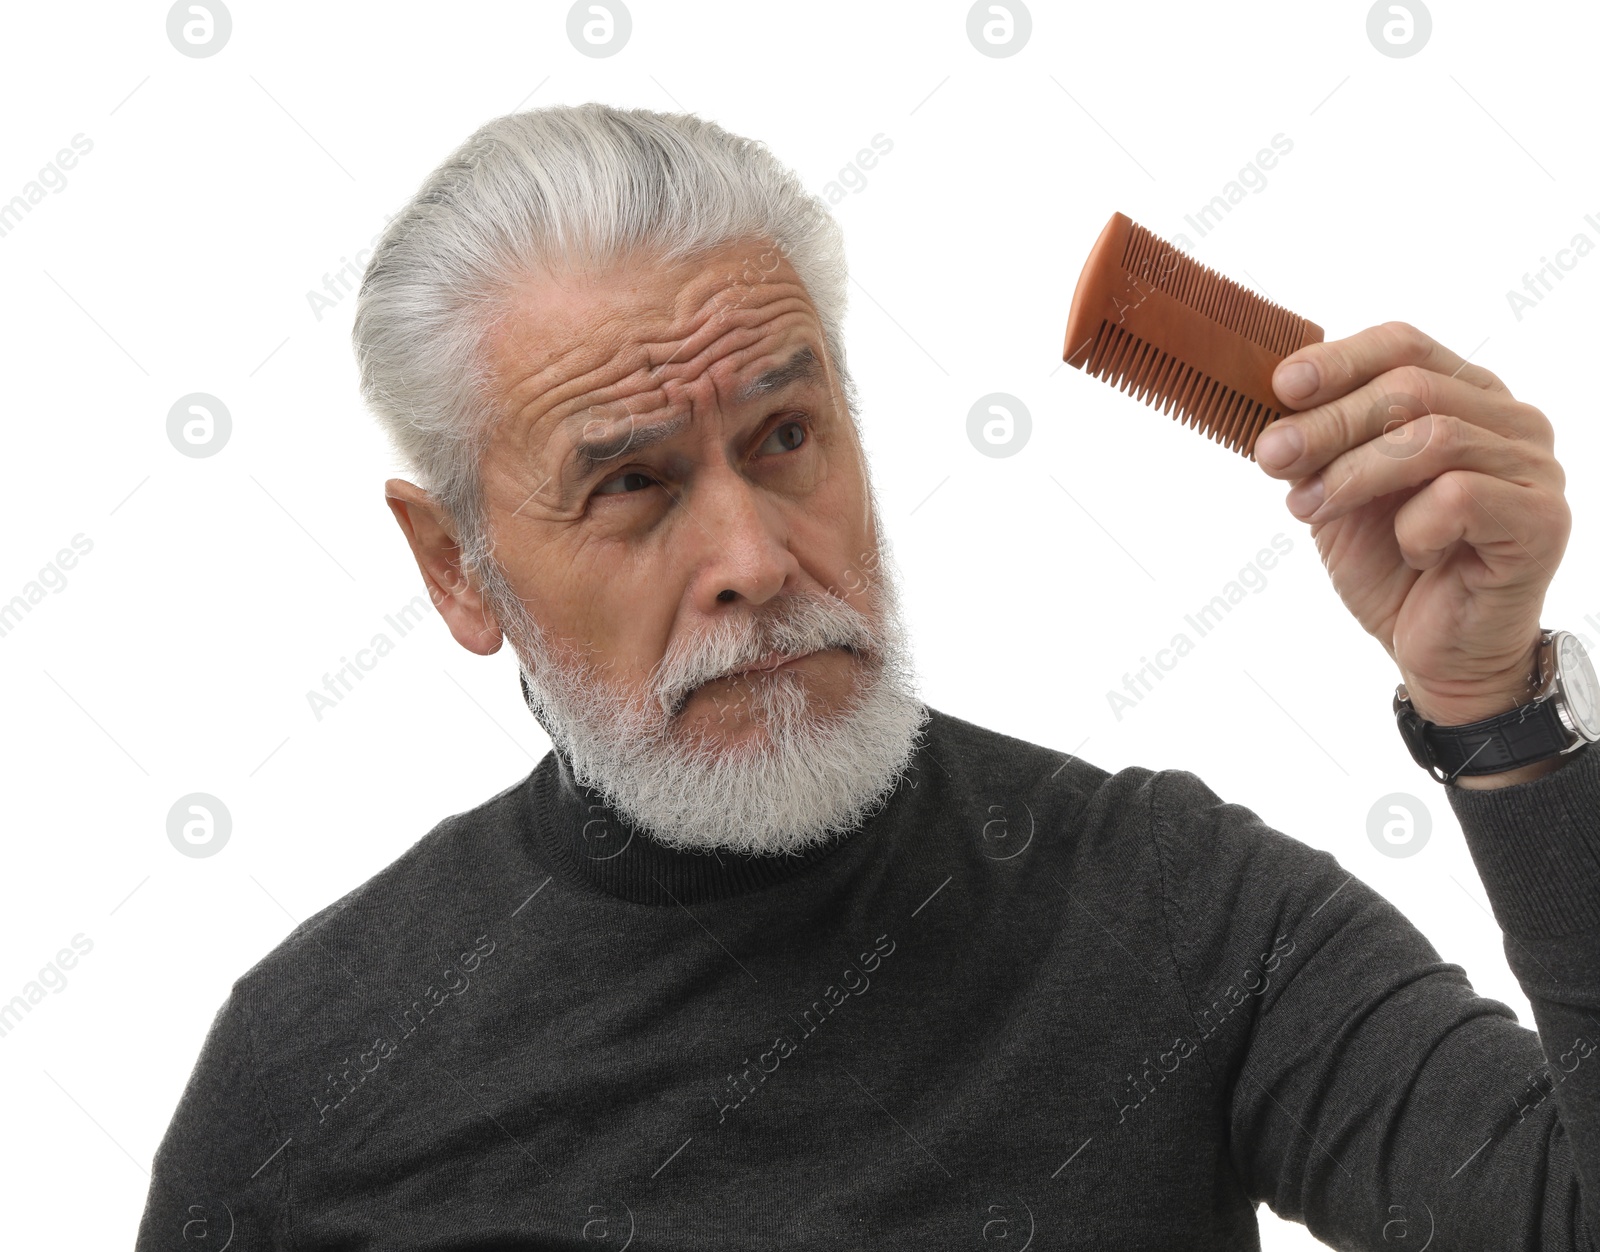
591, 846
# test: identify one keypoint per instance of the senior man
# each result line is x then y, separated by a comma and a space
767, 954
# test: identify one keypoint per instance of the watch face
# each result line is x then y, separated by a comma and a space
1579, 686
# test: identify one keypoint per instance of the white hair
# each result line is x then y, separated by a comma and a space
569, 186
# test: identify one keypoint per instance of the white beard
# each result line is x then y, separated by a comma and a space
801, 777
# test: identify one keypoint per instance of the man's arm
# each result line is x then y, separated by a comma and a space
1536, 845
221, 1172
1372, 1094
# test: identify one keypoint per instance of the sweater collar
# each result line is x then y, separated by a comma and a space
587, 844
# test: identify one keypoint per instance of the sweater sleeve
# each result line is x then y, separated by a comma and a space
1369, 1092
220, 1174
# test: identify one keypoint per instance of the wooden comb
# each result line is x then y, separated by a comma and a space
1180, 336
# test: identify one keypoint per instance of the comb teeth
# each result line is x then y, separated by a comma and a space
1211, 294
1161, 380
1177, 335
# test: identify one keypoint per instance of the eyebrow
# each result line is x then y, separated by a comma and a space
589, 455
802, 365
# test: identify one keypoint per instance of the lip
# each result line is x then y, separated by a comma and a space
772, 661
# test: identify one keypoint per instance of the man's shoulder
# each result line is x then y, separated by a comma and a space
1173, 805
966, 749
400, 907
1165, 830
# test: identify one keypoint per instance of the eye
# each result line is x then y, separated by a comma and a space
624, 484
785, 437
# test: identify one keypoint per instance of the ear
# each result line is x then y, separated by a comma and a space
429, 531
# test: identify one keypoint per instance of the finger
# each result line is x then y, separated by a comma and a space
1411, 455
1512, 528
1303, 443
1320, 372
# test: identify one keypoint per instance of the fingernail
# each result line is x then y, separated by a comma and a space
1296, 381
1279, 445
1305, 498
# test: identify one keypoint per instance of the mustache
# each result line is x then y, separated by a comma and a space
791, 624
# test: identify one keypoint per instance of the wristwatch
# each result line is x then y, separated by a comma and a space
1562, 717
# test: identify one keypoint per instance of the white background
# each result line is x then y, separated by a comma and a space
218, 591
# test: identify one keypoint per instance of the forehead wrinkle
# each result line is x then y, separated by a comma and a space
728, 351
732, 345
590, 450
712, 320
700, 304
563, 383
622, 432
800, 364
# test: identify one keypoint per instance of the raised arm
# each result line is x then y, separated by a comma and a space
1374, 1096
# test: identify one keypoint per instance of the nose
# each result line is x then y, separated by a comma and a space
743, 539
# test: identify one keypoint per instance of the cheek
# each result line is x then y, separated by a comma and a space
847, 514
832, 538
621, 600
838, 479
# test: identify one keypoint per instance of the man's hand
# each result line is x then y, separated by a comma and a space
1436, 502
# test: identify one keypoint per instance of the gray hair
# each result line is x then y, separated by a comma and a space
546, 190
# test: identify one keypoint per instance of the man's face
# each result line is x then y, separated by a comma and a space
674, 449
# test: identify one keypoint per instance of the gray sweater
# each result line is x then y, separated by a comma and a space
1028, 1001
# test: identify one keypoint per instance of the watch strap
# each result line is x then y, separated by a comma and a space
1520, 736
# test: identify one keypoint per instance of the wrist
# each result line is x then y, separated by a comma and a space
1463, 702
1457, 703
1527, 773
